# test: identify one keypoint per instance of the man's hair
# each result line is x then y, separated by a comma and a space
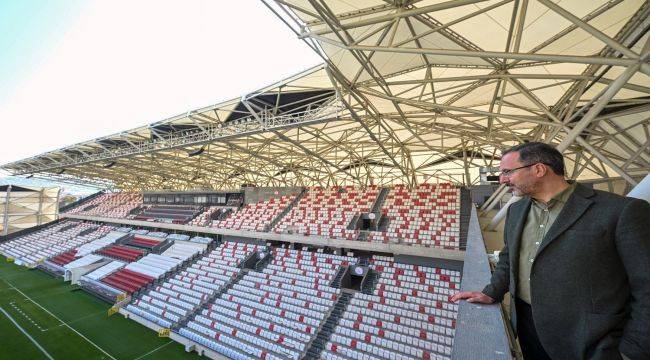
537, 152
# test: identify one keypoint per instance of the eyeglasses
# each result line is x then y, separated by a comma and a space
508, 172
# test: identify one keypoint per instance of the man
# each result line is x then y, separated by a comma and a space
576, 262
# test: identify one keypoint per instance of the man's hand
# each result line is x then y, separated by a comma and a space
473, 297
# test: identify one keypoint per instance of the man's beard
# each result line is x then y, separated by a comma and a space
522, 190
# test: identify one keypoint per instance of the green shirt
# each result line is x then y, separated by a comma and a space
540, 218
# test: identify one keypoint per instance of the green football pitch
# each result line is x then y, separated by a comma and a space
45, 318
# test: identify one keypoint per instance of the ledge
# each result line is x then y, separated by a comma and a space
481, 330
397, 249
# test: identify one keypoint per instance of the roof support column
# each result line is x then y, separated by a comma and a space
468, 179
502, 213
56, 207
39, 214
5, 223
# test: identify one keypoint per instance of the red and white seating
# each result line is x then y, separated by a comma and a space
408, 315
136, 275
255, 217
183, 250
428, 215
127, 280
154, 265
328, 211
120, 252
144, 242
64, 258
182, 294
51, 241
113, 205
95, 245
204, 218
273, 314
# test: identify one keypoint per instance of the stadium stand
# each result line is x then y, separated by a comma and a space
328, 211
105, 270
178, 237
255, 217
428, 215
272, 314
205, 218
83, 261
201, 240
172, 301
157, 234
154, 265
104, 241
52, 241
111, 205
148, 243
64, 258
183, 250
407, 315
120, 252
127, 280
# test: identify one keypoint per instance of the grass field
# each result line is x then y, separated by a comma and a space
46, 318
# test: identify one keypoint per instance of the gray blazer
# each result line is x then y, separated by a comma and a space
590, 280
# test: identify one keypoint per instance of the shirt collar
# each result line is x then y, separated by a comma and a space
561, 197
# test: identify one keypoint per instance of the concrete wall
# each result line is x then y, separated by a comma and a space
256, 194
480, 193
431, 262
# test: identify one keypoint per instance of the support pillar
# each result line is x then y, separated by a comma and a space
5, 222
39, 214
501, 214
56, 207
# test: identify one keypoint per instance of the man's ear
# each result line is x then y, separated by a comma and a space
540, 170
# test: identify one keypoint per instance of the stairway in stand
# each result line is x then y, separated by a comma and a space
284, 212
328, 327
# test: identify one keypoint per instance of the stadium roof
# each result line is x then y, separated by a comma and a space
409, 91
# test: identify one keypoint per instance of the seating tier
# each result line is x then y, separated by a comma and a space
328, 211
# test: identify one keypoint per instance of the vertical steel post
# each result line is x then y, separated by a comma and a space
5, 223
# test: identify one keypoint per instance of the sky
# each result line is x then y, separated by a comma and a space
76, 70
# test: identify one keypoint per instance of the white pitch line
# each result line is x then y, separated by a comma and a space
61, 321
154, 350
26, 334
80, 318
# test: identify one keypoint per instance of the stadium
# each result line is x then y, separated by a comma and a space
333, 213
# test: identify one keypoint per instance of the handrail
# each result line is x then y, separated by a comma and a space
481, 331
